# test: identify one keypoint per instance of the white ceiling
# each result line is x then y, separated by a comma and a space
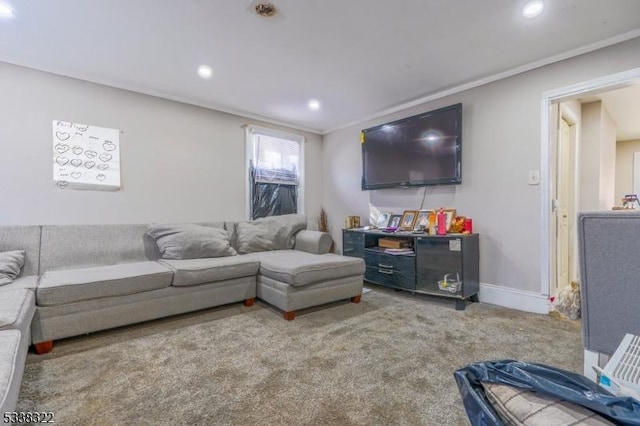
360, 58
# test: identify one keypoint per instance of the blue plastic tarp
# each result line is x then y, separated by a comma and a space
546, 380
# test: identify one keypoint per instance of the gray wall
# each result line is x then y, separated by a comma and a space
597, 158
608, 162
501, 143
179, 162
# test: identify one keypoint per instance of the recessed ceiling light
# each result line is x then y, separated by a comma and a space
532, 9
205, 71
5, 11
314, 104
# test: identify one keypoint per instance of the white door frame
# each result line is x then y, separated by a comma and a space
609, 82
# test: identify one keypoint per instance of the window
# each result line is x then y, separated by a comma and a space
275, 162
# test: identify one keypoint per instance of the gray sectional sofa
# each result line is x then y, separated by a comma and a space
80, 279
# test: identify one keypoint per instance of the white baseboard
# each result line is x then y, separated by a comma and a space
521, 300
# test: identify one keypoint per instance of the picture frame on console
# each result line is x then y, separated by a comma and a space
383, 220
451, 213
422, 220
394, 222
408, 220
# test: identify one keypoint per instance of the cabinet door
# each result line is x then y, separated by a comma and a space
437, 258
352, 243
390, 277
388, 270
379, 259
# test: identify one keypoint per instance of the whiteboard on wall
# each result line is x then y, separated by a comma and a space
85, 157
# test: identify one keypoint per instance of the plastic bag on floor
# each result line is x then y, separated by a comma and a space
543, 379
568, 301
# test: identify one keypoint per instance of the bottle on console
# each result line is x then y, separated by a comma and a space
441, 218
468, 226
432, 223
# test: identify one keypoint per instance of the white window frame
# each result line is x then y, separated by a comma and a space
250, 132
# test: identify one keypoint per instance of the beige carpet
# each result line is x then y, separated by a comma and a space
388, 360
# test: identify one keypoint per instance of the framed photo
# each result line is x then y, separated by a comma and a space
351, 222
422, 221
394, 222
451, 213
408, 219
383, 219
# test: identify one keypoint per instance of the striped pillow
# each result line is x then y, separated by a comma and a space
524, 407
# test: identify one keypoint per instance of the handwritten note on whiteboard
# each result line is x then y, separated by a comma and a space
85, 157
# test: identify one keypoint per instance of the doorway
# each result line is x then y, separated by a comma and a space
560, 173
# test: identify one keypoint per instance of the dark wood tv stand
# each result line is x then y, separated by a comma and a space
433, 257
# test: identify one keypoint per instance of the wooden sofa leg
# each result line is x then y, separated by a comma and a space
43, 347
289, 316
249, 302
356, 299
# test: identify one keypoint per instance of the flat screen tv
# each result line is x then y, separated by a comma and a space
416, 151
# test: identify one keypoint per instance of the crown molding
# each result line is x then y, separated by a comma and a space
158, 94
494, 77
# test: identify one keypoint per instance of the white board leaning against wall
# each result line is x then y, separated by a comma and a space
636, 173
85, 157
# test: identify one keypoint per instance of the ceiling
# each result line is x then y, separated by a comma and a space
359, 58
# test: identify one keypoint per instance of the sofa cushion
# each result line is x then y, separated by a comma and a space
84, 246
315, 242
9, 368
30, 282
269, 233
25, 238
15, 306
232, 229
74, 285
10, 264
199, 271
190, 241
300, 268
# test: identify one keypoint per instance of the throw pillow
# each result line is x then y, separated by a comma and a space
524, 407
10, 264
190, 241
270, 233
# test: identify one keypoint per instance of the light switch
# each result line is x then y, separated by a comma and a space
534, 177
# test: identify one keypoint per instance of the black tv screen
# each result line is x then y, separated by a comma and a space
416, 151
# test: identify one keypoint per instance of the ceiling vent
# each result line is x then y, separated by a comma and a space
266, 9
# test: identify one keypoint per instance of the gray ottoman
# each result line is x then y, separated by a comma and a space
294, 279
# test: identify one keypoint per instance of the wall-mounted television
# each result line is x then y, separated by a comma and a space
424, 149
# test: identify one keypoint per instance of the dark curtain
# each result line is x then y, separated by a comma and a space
272, 199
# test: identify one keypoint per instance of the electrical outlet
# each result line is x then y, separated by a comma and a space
534, 177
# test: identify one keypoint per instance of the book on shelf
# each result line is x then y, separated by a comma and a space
394, 243
398, 251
